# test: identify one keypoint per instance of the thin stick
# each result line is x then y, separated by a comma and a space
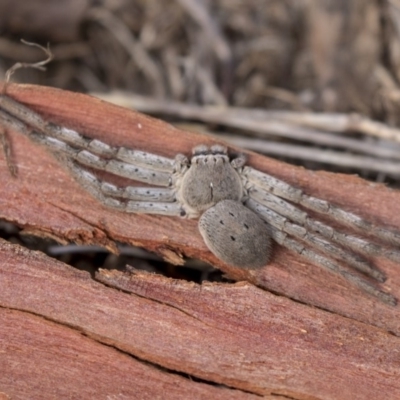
310, 127
133, 47
317, 155
6, 145
199, 13
4, 138
38, 65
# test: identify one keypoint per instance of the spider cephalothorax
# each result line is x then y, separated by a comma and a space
239, 208
207, 178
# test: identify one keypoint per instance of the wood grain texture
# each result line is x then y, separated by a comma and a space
237, 335
42, 359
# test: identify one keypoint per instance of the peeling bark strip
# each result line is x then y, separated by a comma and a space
279, 343
233, 335
234, 201
55, 361
133, 132
202, 331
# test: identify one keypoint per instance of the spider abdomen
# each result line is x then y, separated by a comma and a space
236, 235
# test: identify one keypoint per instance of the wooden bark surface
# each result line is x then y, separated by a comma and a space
316, 337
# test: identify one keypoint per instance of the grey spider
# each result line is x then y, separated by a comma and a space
239, 208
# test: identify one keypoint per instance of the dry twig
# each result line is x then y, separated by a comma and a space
306, 127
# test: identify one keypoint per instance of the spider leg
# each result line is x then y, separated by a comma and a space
75, 139
297, 196
159, 201
285, 225
301, 217
120, 168
136, 200
291, 244
166, 195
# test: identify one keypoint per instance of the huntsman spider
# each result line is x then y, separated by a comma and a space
240, 210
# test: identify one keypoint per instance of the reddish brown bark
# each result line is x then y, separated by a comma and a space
238, 335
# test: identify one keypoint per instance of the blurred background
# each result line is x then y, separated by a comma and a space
311, 82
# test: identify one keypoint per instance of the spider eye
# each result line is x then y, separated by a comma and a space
219, 149
200, 150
